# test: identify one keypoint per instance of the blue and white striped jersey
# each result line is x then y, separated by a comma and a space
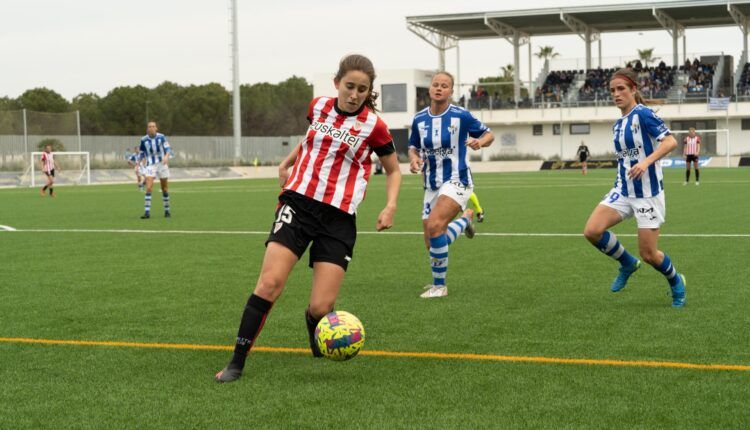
134, 157
636, 136
153, 149
441, 141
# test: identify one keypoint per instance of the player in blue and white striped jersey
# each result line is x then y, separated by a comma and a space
154, 156
438, 147
641, 139
134, 161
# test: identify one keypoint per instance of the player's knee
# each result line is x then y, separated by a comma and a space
319, 308
269, 286
435, 227
592, 234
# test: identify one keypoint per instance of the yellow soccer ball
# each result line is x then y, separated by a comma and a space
340, 335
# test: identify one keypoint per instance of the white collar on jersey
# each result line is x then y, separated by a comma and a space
631, 110
450, 105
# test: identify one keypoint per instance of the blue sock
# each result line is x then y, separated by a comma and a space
609, 245
439, 259
165, 199
148, 203
668, 270
455, 229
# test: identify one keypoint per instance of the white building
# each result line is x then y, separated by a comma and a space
549, 131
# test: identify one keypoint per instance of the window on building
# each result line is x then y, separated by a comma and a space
423, 98
556, 129
746, 123
394, 97
538, 129
580, 128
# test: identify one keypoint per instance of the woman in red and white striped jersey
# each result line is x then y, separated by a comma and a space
319, 201
691, 150
48, 166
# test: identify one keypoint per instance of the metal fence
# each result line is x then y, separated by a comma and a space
110, 151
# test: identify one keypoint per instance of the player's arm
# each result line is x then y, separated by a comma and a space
481, 134
698, 147
667, 145
483, 141
142, 155
167, 153
41, 163
392, 186
415, 159
286, 163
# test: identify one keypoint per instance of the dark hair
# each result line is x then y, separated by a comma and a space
630, 78
364, 65
443, 72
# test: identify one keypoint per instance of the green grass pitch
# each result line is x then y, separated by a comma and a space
526, 296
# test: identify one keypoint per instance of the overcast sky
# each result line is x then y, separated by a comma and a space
82, 46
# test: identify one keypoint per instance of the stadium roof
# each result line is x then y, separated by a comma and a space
610, 18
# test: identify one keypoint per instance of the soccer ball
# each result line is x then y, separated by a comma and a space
340, 335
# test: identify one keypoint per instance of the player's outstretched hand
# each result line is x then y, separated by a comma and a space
416, 165
385, 219
473, 144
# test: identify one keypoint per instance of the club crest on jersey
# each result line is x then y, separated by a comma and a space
635, 128
453, 129
336, 133
357, 127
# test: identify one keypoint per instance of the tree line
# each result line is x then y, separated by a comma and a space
194, 110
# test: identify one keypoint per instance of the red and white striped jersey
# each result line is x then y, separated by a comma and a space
48, 162
691, 144
333, 164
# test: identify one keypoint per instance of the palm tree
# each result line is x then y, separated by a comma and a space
645, 55
546, 52
508, 72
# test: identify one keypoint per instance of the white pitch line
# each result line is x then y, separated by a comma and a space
388, 233
7, 228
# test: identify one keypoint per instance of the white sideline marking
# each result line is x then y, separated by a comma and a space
7, 228
394, 233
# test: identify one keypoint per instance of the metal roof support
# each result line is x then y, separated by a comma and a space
673, 28
440, 41
742, 21
585, 32
516, 38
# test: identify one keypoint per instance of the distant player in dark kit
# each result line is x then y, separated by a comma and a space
583, 155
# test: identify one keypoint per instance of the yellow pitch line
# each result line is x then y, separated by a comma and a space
436, 355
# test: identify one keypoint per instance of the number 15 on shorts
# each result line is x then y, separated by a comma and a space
284, 216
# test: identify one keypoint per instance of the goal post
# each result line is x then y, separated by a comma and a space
713, 141
78, 162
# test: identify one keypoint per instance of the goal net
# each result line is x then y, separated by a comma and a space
74, 168
714, 143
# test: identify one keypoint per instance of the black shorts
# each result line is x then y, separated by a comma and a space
691, 157
301, 220
50, 173
582, 157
